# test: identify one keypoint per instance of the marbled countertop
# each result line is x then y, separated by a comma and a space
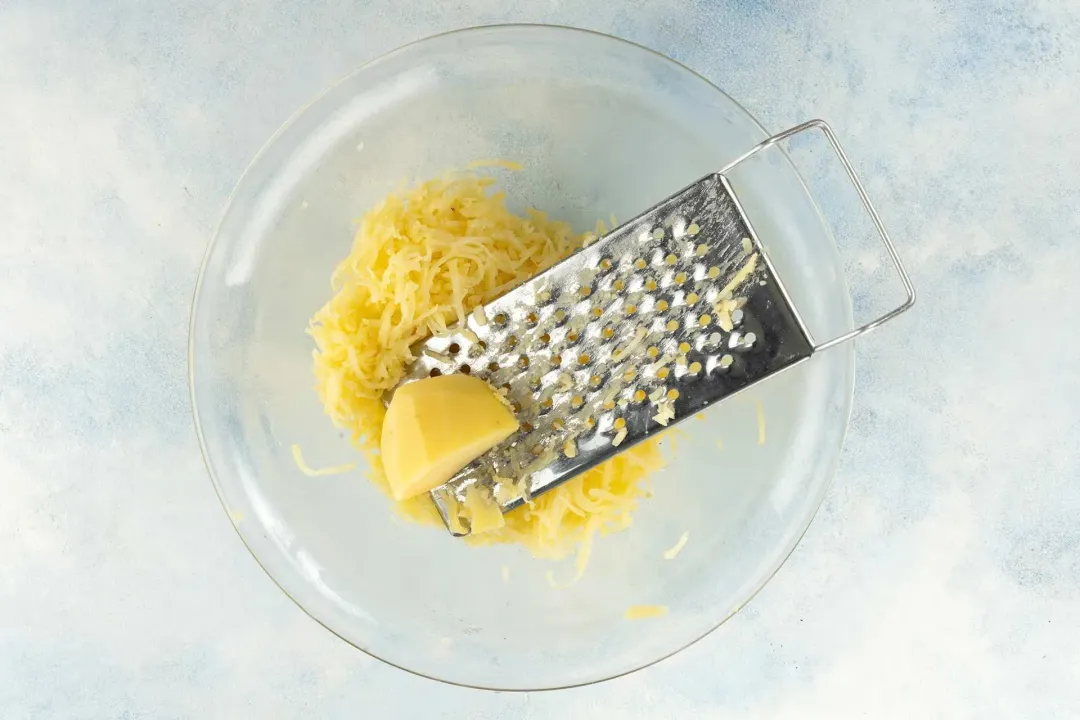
941, 577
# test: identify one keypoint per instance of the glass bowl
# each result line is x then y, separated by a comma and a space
602, 126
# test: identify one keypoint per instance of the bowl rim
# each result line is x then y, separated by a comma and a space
212, 244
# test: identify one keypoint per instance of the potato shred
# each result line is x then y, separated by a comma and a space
421, 261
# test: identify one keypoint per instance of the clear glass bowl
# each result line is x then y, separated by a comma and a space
602, 126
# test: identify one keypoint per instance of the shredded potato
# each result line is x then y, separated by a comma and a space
642, 612
422, 261
298, 458
674, 551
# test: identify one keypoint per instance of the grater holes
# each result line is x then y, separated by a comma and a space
493, 367
510, 343
523, 361
584, 291
671, 259
500, 319
600, 326
532, 318
584, 358
465, 370
640, 264
435, 372
453, 349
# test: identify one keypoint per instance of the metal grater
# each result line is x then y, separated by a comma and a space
667, 314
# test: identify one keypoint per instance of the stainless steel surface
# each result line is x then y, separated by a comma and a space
667, 314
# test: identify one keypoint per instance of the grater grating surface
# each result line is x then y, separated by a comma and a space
665, 315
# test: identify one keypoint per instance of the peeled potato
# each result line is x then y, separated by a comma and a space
435, 427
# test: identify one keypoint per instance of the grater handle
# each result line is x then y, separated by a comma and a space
889, 247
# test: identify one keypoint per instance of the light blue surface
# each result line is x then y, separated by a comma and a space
942, 575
